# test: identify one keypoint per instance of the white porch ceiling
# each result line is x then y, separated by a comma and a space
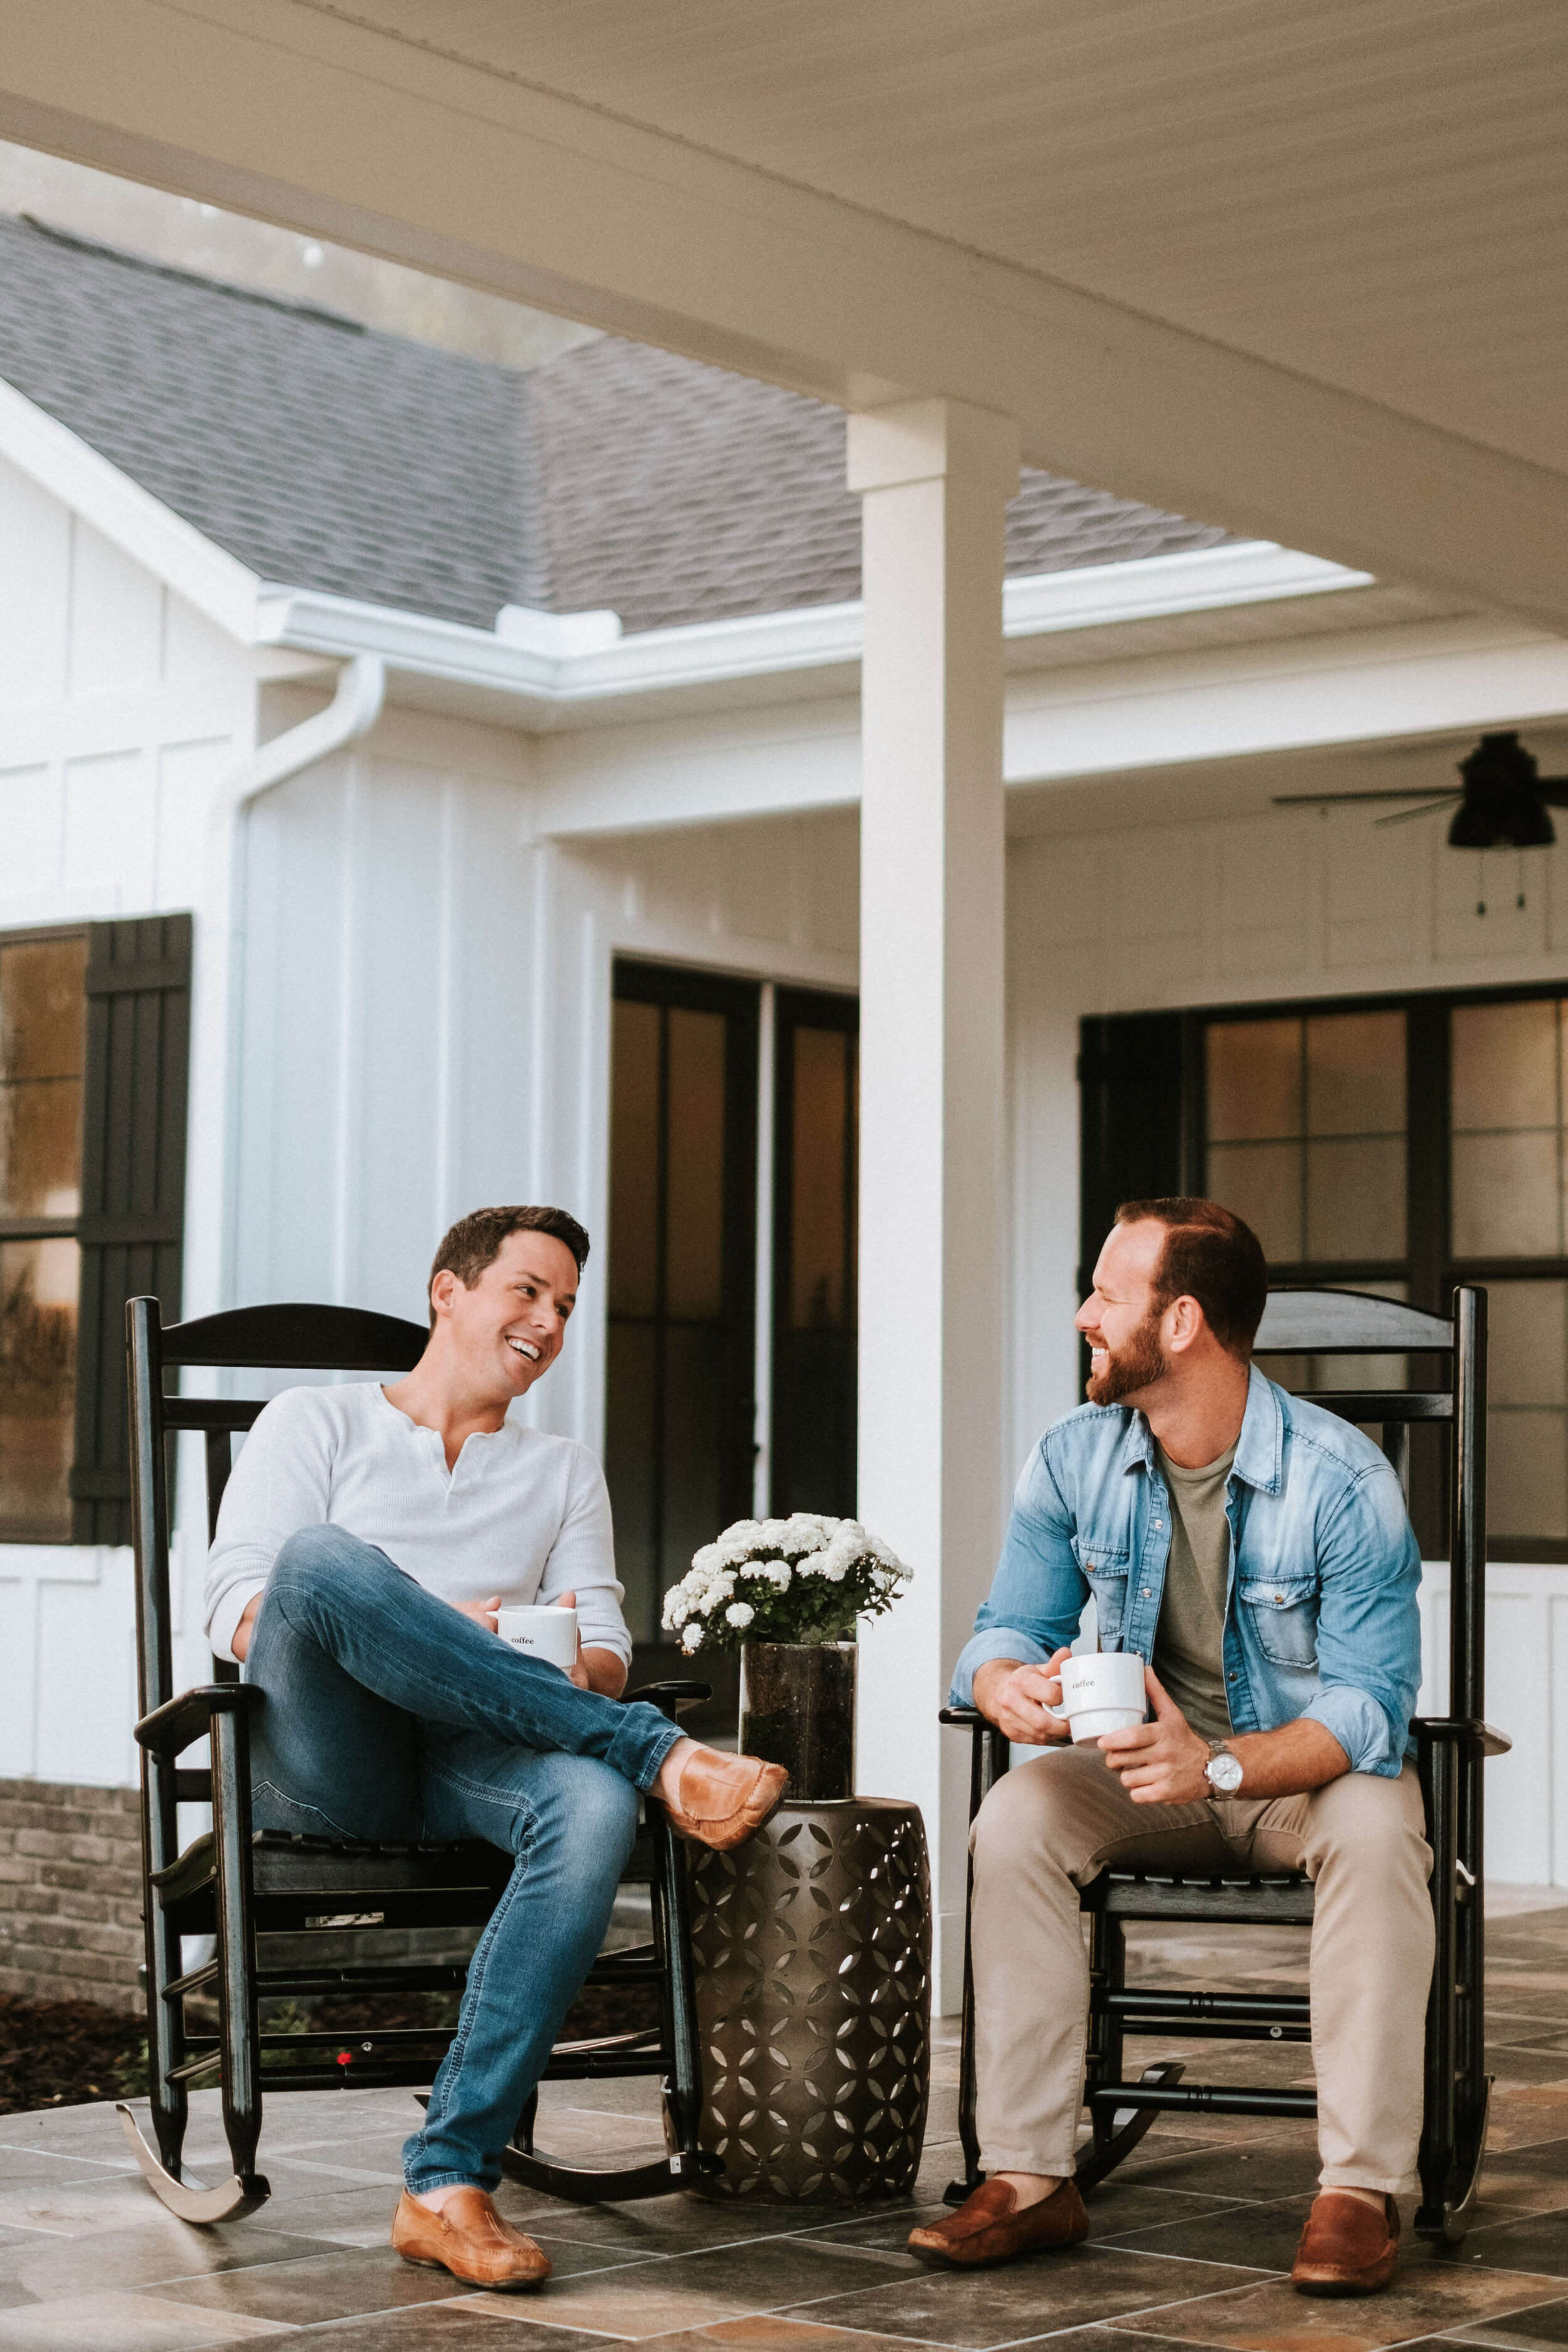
1373, 193
1292, 267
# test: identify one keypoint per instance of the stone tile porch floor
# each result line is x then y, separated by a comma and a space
1192, 2238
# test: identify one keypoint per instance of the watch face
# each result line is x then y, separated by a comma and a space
1225, 1774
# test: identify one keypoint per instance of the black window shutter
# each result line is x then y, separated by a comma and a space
1131, 1141
133, 1187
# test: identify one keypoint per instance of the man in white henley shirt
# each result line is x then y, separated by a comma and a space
366, 1538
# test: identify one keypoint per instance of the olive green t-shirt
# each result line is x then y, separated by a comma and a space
1189, 1638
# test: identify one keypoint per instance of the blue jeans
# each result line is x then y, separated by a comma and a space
389, 1715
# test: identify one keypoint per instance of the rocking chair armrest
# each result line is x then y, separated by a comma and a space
1493, 1742
181, 1721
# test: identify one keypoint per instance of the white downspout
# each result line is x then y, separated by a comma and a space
352, 712
356, 707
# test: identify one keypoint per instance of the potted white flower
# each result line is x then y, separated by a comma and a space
787, 1593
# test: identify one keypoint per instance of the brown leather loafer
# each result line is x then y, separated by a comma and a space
989, 2228
469, 2237
1346, 2248
723, 1799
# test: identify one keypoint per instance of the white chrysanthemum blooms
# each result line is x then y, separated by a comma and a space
691, 1639
739, 1612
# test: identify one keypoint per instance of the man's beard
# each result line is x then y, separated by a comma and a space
1137, 1364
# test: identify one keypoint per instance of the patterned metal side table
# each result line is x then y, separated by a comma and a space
813, 1946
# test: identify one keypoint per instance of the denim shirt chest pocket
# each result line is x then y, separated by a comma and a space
1282, 1614
1105, 1565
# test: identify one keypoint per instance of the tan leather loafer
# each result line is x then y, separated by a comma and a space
469, 2237
1346, 2248
723, 1799
989, 2228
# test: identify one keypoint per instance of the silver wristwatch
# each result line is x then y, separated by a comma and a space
1223, 1771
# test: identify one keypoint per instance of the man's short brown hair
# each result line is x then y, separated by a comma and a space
1209, 1256
474, 1241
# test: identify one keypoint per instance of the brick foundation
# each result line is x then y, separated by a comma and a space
70, 1893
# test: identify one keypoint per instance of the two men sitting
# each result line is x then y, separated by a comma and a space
1255, 1550
1252, 1546
367, 1536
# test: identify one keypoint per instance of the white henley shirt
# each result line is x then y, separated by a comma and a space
521, 1514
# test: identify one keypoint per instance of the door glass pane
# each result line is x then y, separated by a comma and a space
38, 1283
694, 1433
1253, 1081
633, 1158
1527, 1420
1507, 1195
694, 1223
41, 1031
1505, 1065
1305, 1136
1355, 1075
818, 1241
1262, 1183
1356, 1199
1508, 1156
631, 1357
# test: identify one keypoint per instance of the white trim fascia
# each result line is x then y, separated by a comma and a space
816, 637
1155, 587
129, 518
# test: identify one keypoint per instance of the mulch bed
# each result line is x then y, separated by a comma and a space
56, 2053
59, 2054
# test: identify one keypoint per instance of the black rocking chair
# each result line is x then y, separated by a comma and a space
234, 1883
1450, 1752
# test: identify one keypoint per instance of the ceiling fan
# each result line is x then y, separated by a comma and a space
1502, 803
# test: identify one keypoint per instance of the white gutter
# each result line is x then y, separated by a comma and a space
555, 662
352, 712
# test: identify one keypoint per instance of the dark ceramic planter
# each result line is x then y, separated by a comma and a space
797, 1709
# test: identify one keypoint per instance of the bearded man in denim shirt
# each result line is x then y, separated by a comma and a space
1255, 1549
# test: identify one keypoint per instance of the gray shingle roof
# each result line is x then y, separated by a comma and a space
325, 455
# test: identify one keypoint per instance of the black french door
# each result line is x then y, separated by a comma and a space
680, 1378
816, 1065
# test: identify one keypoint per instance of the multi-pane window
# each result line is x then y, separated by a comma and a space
1403, 1148
1306, 1133
94, 1041
1507, 1095
42, 1010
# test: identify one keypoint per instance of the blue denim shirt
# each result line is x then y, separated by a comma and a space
1320, 1618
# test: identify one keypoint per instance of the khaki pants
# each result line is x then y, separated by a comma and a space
1053, 1824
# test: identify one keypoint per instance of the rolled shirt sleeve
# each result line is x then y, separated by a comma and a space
1368, 1627
1038, 1594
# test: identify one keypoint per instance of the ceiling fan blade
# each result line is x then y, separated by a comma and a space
1322, 799
1402, 816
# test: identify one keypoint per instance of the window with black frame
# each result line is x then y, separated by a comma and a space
1399, 1145
94, 1041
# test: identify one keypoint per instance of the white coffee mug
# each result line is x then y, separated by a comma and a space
544, 1633
1103, 1692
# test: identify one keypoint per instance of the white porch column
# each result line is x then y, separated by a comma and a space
935, 476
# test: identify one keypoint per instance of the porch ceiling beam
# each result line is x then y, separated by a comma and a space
1239, 702
281, 109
